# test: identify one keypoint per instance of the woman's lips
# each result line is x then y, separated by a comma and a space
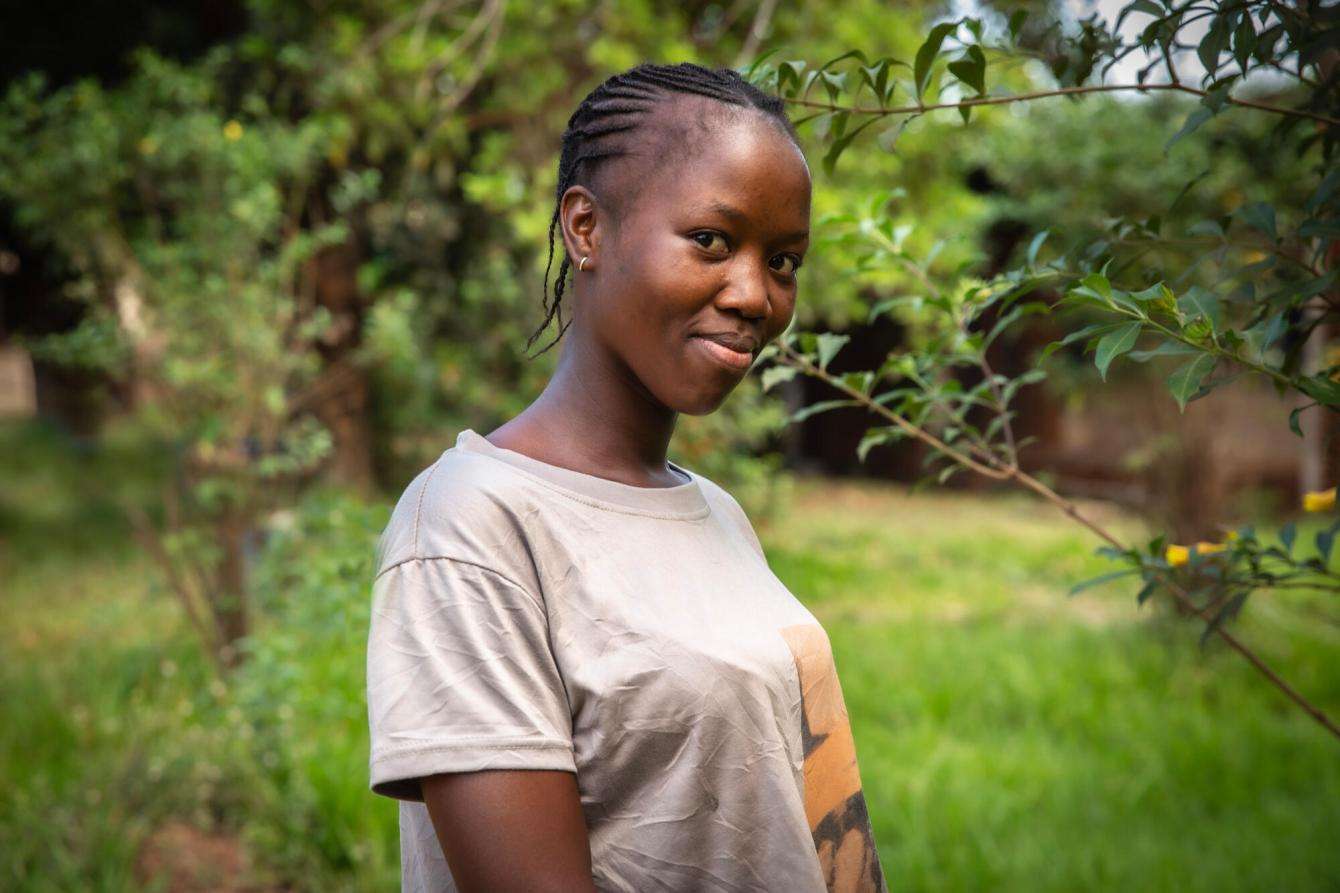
734, 359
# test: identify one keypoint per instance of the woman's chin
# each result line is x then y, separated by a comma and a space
705, 402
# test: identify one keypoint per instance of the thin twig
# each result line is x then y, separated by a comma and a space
1065, 506
147, 536
1060, 91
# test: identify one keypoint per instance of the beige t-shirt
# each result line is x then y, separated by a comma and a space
527, 616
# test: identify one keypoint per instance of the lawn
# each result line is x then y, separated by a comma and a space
1008, 737
1012, 738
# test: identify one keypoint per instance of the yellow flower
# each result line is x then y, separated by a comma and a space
148, 145
1320, 501
232, 131
1232, 535
1177, 555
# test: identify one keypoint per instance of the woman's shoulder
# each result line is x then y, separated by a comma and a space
728, 508
462, 506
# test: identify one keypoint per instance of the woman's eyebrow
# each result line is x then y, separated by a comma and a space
735, 214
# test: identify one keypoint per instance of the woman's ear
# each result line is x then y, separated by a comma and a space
579, 215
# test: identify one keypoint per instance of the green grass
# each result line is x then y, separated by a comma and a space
1011, 738
1008, 737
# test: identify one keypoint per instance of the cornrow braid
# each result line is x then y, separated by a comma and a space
600, 129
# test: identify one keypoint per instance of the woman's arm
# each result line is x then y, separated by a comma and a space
511, 829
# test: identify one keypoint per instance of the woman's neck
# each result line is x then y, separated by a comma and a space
595, 417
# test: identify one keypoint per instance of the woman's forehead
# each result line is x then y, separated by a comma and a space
744, 163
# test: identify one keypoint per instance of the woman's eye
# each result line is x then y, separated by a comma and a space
795, 263
697, 237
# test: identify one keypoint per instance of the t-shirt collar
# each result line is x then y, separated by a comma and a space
684, 500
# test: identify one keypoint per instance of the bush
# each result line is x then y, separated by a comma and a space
303, 687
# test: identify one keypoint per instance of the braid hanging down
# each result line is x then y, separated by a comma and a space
601, 128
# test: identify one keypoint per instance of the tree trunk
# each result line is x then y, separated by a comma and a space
342, 393
229, 604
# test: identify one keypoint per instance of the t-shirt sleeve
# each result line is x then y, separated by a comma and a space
742, 522
460, 677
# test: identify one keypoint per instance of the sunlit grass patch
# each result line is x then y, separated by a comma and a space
1011, 737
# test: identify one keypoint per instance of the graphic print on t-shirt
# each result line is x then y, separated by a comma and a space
834, 802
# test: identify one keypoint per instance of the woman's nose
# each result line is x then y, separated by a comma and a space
747, 292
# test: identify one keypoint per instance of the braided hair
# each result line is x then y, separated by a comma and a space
600, 129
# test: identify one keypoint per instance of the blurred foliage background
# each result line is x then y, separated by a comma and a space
270, 257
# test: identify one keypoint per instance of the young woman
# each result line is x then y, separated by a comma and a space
582, 673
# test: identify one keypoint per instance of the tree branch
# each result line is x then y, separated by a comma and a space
1066, 507
1060, 91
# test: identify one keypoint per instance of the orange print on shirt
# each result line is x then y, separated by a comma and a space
834, 802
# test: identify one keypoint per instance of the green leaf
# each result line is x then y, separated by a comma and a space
1113, 345
1187, 188
1114, 552
829, 344
1085, 332
758, 60
1266, 332
1287, 533
1034, 245
1206, 228
895, 393
971, 69
805, 412
1227, 612
926, 56
1323, 192
1326, 228
858, 381
1017, 19
1320, 388
1244, 41
1155, 292
1294, 424
777, 374
831, 157
1212, 44
789, 71
1166, 349
1145, 592
1259, 216
888, 139
1196, 301
1099, 580
823, 122
1198, 116
834, 84
1098, 284
1185, 382
875, 437
850, 54
1325, 539
876, 77
1216, 97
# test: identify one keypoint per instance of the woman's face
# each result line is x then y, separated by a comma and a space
706, 252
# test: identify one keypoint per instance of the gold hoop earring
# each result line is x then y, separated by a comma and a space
582, 264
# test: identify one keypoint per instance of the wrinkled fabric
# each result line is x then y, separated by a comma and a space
527, 616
